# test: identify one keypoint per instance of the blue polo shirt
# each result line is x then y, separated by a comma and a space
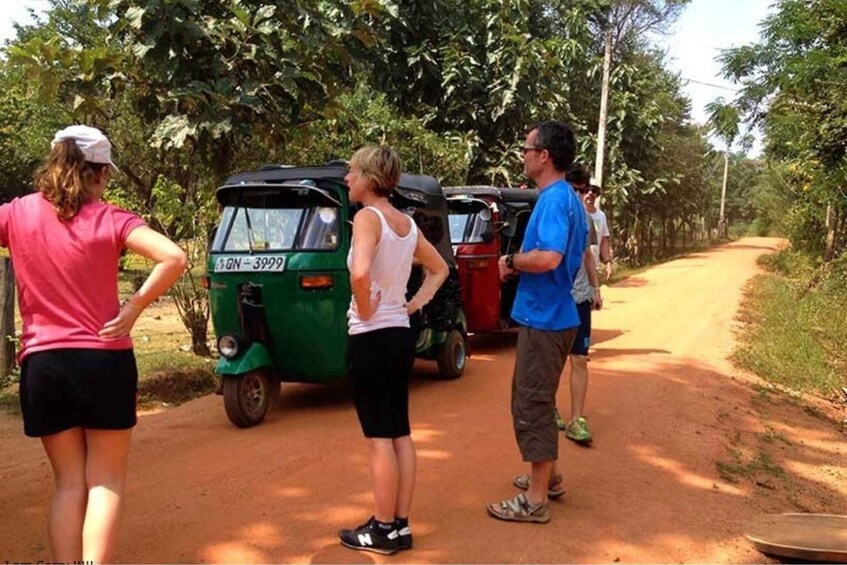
557, 223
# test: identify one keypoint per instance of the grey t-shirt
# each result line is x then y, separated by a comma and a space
582, 290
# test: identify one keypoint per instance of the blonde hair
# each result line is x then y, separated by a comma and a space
66, 177
379, 164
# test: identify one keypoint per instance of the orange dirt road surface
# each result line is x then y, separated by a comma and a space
664, 403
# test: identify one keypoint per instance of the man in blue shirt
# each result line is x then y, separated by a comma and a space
553, 249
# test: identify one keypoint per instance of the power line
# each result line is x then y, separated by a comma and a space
710, 84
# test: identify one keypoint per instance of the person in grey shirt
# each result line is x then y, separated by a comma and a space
586, 294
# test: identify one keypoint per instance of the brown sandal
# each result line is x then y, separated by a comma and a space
519, 509
555, 489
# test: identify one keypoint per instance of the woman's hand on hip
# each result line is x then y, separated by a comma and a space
121, 326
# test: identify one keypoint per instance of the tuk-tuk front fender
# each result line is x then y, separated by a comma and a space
255, 357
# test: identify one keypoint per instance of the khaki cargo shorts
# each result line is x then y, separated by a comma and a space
539, 360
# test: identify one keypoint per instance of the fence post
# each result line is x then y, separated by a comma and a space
7, 316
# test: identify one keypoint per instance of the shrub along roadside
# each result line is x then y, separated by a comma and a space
794, 331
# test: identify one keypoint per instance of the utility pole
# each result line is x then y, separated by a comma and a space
722, 217
604, 110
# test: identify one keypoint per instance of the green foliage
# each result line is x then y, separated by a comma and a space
759, 228
724, 120
793, 86
221, 73
804, 226
790, 263
365, 117
792, 332
190, 91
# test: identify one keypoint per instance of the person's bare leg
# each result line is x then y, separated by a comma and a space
384, 474
404, 447
66, 451
579, 385
541, 473
105, 474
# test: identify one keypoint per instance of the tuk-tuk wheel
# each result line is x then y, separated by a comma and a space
452, 356
246, 397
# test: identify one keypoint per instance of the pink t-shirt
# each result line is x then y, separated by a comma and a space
67, 272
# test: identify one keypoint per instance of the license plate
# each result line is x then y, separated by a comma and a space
249, 263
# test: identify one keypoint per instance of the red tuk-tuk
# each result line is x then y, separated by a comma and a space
485, 223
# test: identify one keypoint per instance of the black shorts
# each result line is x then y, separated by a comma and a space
78, 388
380, 364
583, 333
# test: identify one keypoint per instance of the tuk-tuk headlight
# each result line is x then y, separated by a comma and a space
229, 346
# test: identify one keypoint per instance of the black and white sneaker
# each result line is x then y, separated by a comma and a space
404, 535
372, 536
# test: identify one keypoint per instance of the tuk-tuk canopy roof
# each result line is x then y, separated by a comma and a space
278, 175
505, 195
421, 192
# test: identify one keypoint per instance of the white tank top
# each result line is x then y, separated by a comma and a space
390, 270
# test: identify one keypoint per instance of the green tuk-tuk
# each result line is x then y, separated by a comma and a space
279, 288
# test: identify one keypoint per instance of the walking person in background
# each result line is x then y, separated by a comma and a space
602, 249
382, 345
586, 293
580, 180
78, 374
552, 252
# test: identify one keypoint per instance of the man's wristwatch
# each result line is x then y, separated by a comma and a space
510, 260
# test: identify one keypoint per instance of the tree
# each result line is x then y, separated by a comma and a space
723, 121
192, 90
627, 21
792, 85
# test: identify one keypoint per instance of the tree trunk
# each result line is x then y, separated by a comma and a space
7, 317
672, 233
637, 239
831, 221
650, 238
841, 239
610, 214
199, 323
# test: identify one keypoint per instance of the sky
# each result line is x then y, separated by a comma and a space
16, 11
705, 27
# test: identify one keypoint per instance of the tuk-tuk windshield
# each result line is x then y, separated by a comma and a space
468, 223
279, 222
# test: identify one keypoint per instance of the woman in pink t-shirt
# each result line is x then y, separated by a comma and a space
78, 374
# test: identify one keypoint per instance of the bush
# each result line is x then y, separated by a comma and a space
738, 230
805, 227
835, 280
12, 378
794, 335
789, 263
760, 227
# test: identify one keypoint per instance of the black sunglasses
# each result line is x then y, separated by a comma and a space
586, 190
527, 148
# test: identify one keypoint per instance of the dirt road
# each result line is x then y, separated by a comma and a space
686, 454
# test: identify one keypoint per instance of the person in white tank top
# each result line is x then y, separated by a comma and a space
382, 348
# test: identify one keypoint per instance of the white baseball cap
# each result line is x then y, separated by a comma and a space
91, 141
